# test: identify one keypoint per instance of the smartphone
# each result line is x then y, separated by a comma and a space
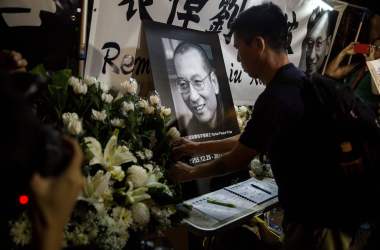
361, 48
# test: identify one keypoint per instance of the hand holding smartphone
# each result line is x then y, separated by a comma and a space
361, 48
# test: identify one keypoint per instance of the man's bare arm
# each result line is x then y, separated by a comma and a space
185, 147
235, 160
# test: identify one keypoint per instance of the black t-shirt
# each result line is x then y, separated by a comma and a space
300, 149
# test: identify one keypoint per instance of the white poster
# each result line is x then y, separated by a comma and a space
115, 51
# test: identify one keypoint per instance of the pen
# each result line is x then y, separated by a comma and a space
220, 203
257, 187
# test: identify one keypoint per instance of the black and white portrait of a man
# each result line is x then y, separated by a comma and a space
189, 74
318, 40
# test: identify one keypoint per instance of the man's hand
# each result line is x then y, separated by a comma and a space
181, 172
371, 55
12, 61
349, 50
54, 199
184, 147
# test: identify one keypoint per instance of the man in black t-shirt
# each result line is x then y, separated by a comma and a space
297, 144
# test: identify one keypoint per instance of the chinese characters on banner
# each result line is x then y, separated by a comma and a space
116, 50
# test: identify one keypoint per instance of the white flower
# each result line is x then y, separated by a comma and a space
104, 87
149, 167
243, 110
165, 112
173, 133
149, 110
78, 86
73, 81
117, 122
123, 214
69, 117
154, 100
90, 80
127, 106
162, 214
137, 175
21, 231
148, 154
136, 195
80, 89
107, 98
99, 115
140, 214
117, 173
72, 123
240, 123
97, 188
114, 155
143, 104
132, 86
140, 155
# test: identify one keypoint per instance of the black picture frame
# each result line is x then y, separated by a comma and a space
160, 39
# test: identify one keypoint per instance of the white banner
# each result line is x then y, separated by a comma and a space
116, 53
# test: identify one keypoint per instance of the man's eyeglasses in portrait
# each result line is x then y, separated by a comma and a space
318, 44
184, 85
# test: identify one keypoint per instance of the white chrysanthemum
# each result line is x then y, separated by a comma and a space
143, 104
72, 123
21, 231
99, 115
123, 214
154, 100
117, 122
127, 106
137, 175
148, 153
165, 112
173, 133
140, 214
162, 214
90, 80
107, 98
149, 110
117, 173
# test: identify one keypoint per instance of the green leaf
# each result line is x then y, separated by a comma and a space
40, 71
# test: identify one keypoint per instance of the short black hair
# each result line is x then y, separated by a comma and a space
316, 17
183, 47
265, 20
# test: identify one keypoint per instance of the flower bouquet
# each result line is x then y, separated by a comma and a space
127, 144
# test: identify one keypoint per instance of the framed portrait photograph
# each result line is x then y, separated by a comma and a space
318, 41
190, 76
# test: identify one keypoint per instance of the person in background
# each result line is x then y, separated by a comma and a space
318, 40
52, 198
318, 215
357, 76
